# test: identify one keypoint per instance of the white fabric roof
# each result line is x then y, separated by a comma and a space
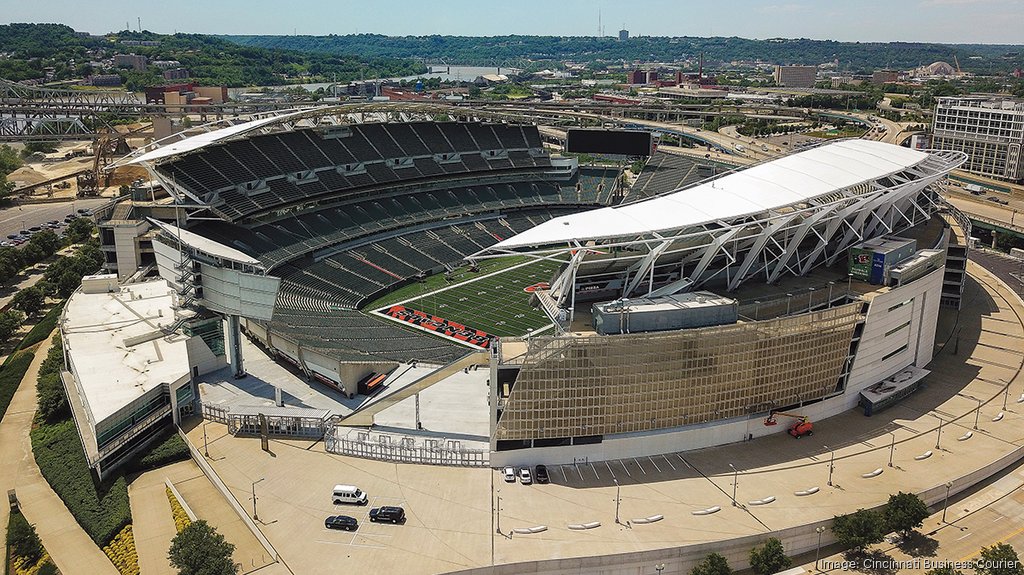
783, 182
204, 139
207, 245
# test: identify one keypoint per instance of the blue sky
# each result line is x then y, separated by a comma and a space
948, 21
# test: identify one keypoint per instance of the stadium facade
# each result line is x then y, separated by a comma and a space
346, 205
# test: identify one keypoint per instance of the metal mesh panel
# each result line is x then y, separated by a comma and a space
579, 386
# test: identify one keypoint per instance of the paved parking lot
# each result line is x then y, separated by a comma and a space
13, 219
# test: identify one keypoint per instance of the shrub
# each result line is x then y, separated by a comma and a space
52, 399
122, 552
23, 539
181, 520
48, 568
11, 373
163, 452
42, 329
10, 321
100, 508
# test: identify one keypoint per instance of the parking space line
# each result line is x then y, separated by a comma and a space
642, 470
609, 469
594, 468
684, 461
562, 469
578, 471
624, 468
669, 461
654, 464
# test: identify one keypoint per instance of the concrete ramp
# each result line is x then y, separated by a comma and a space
364, 415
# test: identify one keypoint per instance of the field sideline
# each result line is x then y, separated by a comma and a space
495, 303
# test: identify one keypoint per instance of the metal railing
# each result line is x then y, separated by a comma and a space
405, 449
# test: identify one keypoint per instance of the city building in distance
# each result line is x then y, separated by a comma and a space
990, 130
795, 76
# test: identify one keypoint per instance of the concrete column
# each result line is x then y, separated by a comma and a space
235, 346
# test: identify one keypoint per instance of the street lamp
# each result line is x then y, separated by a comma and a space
789, 302
255, 517
830, 284
206, 449
810, 299
977, 411
849, 284
939, 437
1006, 393
892, 446
498, 509
659, 568
735, 476
817, 552
616, 500
945, 503
831, 461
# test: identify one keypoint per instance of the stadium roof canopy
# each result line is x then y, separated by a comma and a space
205, 245
785, 182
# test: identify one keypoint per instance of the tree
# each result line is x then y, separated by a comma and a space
53, 401
858, 529
999, 559
47, 241
905, 512
199, 550
9, 160
713, 564
79, 230
10, 321
29, 300
769, 558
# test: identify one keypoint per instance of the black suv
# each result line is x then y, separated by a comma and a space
541, 475
387, 513
341, 522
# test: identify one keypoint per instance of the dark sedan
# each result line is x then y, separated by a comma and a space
341, 522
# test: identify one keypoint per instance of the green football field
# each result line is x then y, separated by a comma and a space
495, 303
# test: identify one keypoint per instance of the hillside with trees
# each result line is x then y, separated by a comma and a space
32, 48
493, 50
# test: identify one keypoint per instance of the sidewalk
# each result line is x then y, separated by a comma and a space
152, 521
69, 546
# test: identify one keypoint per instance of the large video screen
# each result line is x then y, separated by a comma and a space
621, 142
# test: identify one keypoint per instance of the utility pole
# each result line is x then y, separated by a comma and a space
735, 477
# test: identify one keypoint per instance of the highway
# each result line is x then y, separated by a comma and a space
16, 218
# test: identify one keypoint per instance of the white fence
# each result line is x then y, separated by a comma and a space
405, 449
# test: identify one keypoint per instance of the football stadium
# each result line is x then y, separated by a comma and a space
361, 273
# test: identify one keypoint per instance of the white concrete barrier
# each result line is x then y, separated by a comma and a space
871, 474
965, 436
644, 520
998, 417
529, 530
580, 526
707, 511
762, 501
806, 492
924, 455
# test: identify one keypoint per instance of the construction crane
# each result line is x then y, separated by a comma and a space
801, 427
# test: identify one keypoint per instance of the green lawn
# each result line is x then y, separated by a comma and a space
496, 304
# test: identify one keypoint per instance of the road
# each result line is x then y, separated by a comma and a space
1009, 215
16, 218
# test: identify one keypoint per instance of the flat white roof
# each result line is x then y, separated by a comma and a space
204, 139
206, 245
772, 185
110, 372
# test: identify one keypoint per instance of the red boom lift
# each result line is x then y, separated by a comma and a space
801, 427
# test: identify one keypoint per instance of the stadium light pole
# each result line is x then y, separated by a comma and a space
831, 461
817, 552
892, 446
616, 501
945, 502
206, 449
255, 517
735, 477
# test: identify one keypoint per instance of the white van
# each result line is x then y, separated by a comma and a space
348, 494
